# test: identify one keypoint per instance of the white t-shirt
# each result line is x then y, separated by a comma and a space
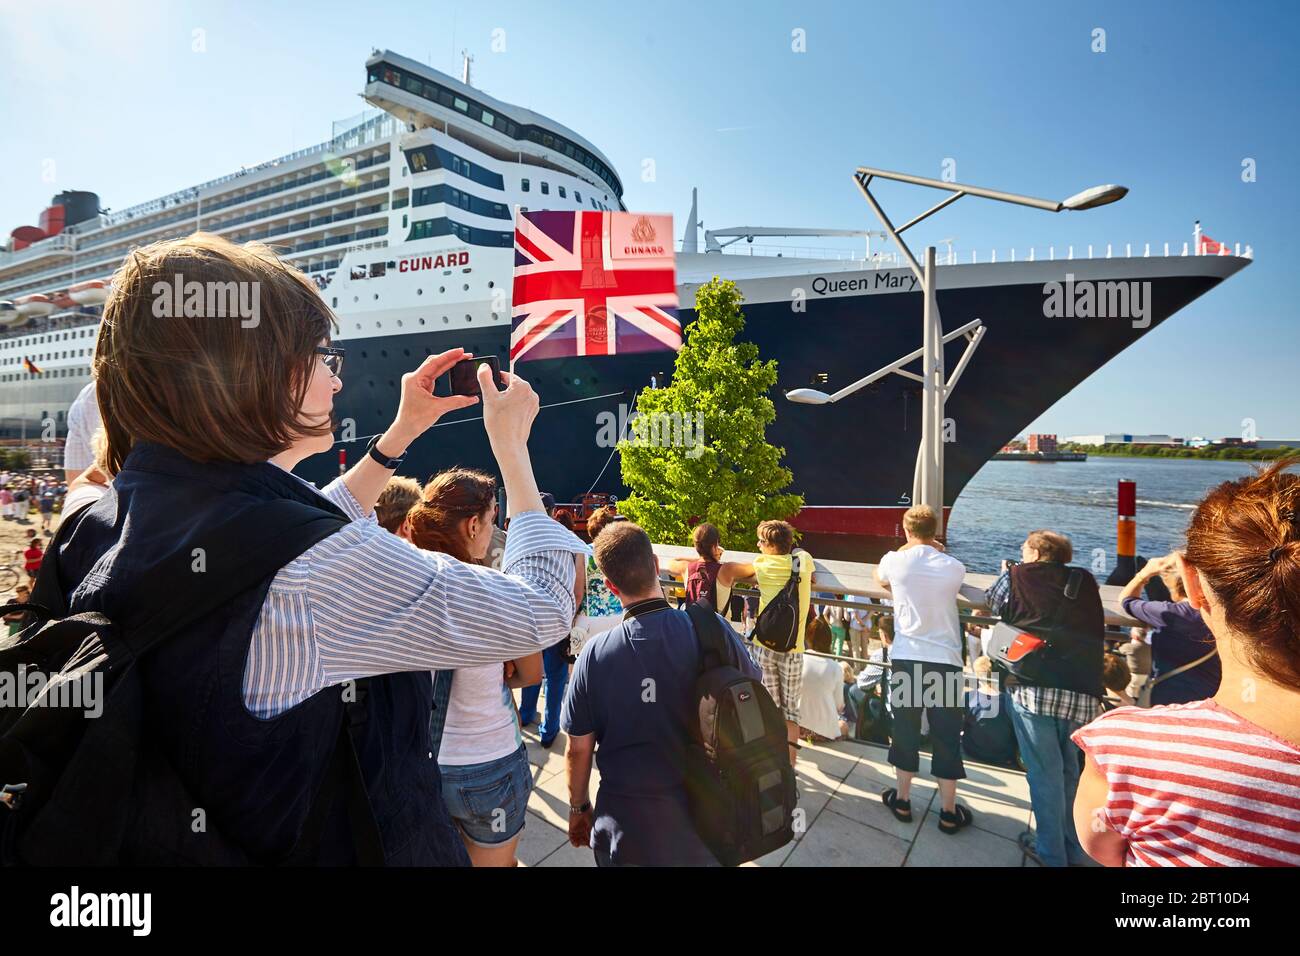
924, 583
481, 722
822, 695
83, 422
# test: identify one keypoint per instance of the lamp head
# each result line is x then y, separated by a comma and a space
807, 396
1094, 197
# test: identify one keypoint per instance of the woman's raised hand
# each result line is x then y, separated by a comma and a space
419, 408
507, 415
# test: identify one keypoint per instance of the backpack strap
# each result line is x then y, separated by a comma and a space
708, 633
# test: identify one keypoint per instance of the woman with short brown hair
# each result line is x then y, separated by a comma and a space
216, 376
1215, 782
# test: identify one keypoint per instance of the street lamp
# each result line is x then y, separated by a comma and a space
927, 482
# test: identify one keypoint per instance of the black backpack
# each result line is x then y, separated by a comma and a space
739, 779
82, 789
777, 627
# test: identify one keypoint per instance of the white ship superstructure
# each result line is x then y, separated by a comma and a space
437, 175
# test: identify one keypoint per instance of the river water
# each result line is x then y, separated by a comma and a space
1007, 499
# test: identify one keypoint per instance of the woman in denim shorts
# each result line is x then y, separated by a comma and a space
486, 777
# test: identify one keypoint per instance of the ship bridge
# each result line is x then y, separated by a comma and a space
424, 97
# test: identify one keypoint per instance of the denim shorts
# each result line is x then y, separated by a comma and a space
489, 801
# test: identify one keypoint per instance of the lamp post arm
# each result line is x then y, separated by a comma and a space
975, 326
997, 194
931, 211
889, 227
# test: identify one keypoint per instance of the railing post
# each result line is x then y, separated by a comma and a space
1051, 253
1071, 255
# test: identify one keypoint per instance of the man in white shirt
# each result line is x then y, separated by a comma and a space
926, 676
83, 422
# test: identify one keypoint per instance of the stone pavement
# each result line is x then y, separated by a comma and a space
846, 822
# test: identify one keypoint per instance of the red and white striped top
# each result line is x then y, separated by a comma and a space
1197, 785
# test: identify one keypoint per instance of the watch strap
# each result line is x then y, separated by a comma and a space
380, 457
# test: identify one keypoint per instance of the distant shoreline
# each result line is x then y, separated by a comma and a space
1197, 454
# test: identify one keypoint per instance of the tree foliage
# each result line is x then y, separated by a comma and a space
698, 450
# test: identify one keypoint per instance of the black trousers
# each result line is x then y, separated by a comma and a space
938, 691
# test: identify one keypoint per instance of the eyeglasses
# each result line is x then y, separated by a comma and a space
333, 358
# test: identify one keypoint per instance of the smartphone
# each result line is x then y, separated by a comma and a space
463, 376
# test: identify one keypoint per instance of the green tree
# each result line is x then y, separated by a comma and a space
698, 450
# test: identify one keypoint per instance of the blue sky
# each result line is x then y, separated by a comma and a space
118, 99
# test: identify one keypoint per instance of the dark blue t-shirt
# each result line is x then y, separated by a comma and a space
633, 687
1180, 637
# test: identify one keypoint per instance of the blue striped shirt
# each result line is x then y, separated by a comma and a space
364, 602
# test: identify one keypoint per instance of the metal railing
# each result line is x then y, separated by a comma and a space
951, 257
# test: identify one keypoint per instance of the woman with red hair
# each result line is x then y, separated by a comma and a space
1215, 782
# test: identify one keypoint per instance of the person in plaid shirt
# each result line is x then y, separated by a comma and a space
1046, 714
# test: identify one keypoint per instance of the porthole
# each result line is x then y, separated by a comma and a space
491, 284
363, 354
465, 287
422, 320
356, 299
419, 292
406, 352
445, 320
379, 325
358, 326
376, 296
383, 353
399, 323
468, 317
442, 288
428, 350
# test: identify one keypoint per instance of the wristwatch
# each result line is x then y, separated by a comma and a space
379, 456
578, 811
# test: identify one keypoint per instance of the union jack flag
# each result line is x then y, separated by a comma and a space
593, 283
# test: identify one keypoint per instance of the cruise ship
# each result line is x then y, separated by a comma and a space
405, 220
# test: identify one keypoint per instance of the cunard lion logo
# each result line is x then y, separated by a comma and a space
643, 231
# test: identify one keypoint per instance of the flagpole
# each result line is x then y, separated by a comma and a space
510, 353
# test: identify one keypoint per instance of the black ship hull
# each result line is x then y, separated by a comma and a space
853, 461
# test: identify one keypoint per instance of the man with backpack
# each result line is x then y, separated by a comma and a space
634, 700
784, 575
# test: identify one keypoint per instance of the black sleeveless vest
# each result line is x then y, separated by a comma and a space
254, 778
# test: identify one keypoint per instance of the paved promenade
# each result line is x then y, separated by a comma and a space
847, 825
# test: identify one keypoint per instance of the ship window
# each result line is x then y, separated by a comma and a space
413, 85
578, 196
444, 97
488, 118
568, 149
546, 188
523, 185
562, 193
336, 303
460, 104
